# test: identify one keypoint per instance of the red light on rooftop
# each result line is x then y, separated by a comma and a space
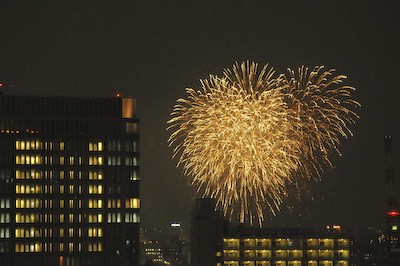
1, 84
118, 94
393, 213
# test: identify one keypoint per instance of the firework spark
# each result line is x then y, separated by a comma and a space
245, 136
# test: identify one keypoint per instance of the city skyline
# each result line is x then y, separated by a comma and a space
153, 51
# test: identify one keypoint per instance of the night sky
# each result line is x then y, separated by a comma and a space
153, 50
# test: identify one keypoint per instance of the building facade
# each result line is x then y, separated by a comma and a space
69, 181
216, 242
283, 247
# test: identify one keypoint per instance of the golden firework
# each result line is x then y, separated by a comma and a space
246, 135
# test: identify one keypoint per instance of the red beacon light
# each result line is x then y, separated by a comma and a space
118, 95
393, 213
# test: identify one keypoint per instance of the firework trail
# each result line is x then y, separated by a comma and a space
247, 135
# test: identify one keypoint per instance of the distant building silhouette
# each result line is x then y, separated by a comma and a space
207, 233
69, 181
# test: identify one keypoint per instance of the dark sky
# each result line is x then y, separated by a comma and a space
153, 50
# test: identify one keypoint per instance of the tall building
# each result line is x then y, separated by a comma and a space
69, 181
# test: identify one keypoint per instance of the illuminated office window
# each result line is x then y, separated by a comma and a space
136, 218
62, 189
38, 145
62, 146
17, 145
61, 220
4, 218
71, 189
133, 203
133, 175
71, 160
38, 159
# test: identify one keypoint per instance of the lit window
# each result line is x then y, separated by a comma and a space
133, 203
136, 218
62, 146
38, 145
133, 176
17, 145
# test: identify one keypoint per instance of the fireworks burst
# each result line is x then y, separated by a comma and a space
247, 135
